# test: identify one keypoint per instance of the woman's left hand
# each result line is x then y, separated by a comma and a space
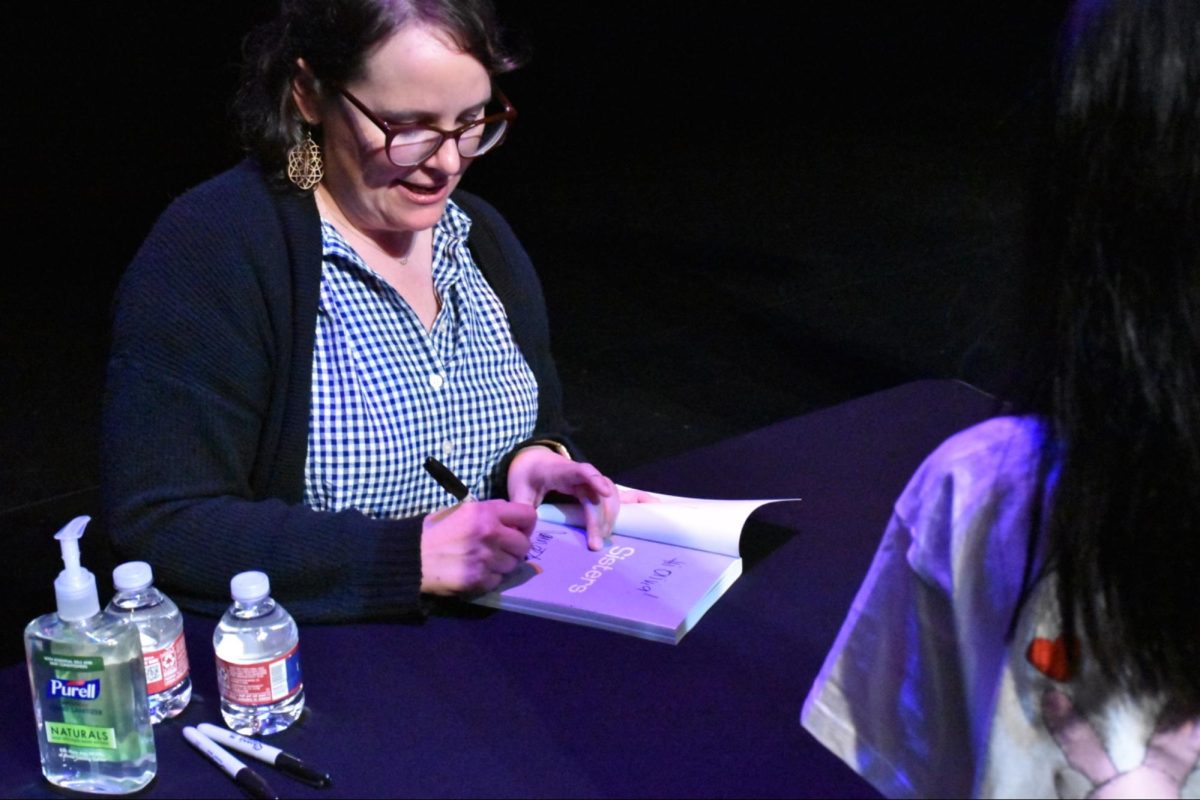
535, 471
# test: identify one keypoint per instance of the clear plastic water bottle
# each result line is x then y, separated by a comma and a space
160, 627
257, 646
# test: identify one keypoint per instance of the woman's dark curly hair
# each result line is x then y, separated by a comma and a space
335, 37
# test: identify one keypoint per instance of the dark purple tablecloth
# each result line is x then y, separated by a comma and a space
498, 704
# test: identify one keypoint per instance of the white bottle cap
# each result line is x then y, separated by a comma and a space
249, 587
132, 575
75, 587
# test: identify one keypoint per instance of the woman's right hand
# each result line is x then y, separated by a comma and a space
471, 546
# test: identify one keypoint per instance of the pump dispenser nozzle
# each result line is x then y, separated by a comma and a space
75, 586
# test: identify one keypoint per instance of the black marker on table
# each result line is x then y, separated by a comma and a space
242, 775
448, 480
265, 752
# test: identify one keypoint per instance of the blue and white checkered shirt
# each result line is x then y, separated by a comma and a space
386, 393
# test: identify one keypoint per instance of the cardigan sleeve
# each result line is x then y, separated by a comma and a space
192, 415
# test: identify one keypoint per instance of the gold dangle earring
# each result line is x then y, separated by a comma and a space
305, 168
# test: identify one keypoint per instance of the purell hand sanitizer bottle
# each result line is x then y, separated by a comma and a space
258, 660
89, 686
160, 626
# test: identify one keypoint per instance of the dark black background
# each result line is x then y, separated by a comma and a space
740, 212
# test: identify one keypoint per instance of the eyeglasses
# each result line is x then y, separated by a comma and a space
411, 143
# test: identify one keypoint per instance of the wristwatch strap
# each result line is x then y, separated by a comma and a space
556, 446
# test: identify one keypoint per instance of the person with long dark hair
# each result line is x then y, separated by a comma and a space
1029, 626
297, 335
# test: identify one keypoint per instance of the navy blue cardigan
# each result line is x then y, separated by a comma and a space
205, 419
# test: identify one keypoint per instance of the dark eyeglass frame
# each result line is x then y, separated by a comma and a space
391, 131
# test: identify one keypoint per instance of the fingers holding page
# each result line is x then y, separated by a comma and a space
597, 495
536, 471
600, 517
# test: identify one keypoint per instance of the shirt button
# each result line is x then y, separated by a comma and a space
447, 447
436, 380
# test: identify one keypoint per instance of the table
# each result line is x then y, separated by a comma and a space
485, 703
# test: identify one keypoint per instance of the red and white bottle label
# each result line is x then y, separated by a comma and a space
166, 668
261, 683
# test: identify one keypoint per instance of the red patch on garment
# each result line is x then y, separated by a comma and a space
1054, 658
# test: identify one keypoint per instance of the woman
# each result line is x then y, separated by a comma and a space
1029, 625
297, 335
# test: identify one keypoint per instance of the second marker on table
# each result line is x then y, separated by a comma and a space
242, 775
265, 752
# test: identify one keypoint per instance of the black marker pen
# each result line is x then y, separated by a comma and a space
448, 480
242, 775
265, 752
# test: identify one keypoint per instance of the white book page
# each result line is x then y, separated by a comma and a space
699, 523
635, 586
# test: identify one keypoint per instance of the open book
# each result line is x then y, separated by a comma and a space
666, 563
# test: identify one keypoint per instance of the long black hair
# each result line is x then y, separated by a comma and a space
335, 37
1113, 294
